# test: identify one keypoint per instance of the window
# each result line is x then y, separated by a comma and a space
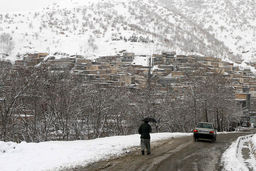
205, 125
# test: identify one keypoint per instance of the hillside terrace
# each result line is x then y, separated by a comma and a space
167, 69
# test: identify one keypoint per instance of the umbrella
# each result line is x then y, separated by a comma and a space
149, 119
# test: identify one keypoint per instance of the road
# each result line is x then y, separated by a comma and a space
177, 154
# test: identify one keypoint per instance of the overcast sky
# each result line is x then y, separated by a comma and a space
23, 5
30, 5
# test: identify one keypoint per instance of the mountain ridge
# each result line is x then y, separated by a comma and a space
107, 27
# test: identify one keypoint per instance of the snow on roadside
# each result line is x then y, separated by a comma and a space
232, 158
254, 141
55, 155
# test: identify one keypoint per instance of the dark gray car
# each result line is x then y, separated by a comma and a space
205, 130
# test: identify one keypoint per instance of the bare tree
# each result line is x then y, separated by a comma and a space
6, 43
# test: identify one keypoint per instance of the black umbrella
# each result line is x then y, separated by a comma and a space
149, 119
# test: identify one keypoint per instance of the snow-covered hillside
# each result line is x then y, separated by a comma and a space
232, 22
99, 28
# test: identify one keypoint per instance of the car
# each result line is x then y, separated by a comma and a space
205, 131
245, 124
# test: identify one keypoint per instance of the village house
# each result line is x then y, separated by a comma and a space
34, 59
168, 67
243, 100
61, 64
128, 57
164, 70
157, 59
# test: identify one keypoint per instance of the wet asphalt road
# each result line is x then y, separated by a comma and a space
199, 156
179, 154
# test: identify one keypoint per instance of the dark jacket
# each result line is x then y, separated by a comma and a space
144, 131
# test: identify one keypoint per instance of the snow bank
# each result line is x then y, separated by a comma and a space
232, 158
7, 147
254, 140
253, 145
55, 155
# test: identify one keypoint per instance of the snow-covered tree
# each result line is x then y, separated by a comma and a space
6, 43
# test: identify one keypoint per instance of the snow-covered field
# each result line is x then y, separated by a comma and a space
56, 155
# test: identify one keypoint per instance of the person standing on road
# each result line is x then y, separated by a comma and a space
144, 131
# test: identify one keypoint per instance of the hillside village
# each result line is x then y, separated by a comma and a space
86, 85
167, 70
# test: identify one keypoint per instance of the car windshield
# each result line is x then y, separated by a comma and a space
204, 125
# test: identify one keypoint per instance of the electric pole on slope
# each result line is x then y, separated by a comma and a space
149, 72
150, 62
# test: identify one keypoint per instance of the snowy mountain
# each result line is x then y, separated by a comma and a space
92, 28
232, 22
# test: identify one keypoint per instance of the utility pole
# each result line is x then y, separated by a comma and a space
149, 72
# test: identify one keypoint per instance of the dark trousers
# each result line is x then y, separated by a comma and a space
145, 144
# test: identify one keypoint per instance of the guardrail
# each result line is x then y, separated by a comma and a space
239, 141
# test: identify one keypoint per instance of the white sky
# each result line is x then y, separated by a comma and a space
24, 5
21, 5
30, 5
